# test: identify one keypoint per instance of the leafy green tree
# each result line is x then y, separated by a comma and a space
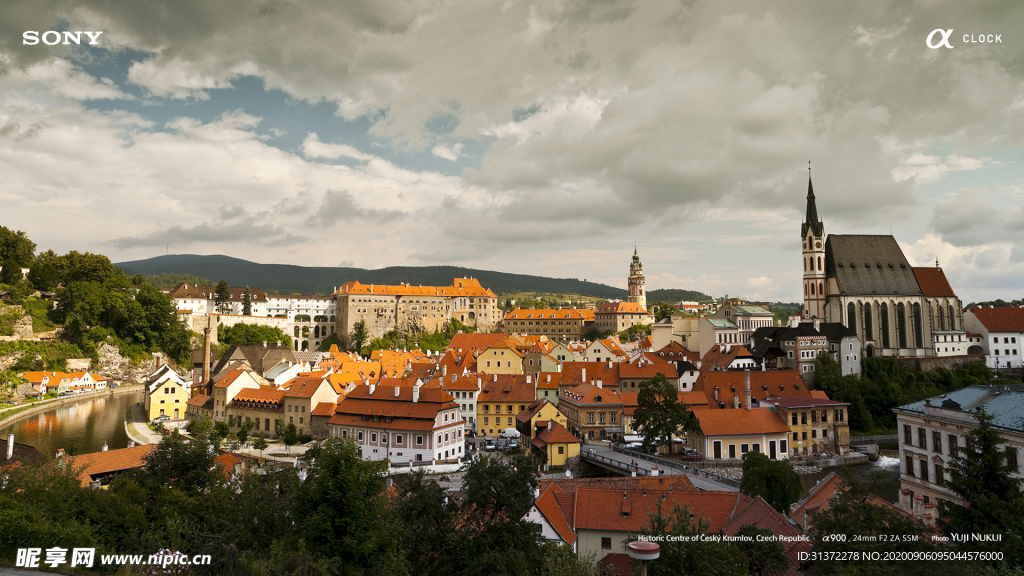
660, 414
342, 512
247, 302
11, 273
221, 430
243, 433
291, 436
431, 541
773, 480
359, 335
260, 443
636, 333
16, 247
43, 276
682, 552
665, 310
189, 467
765, 556
222, 297
498, 538
87, 267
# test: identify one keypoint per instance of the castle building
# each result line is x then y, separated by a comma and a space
636, 282
866, 283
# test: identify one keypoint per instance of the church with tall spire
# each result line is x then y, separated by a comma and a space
636, 281
866, 283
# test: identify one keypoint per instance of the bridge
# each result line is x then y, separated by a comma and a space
620, 460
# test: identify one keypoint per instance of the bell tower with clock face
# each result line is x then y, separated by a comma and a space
812, 234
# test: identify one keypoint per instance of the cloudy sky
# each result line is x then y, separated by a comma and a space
538, 137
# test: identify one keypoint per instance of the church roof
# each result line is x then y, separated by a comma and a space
933, 282
869, 264
811, 219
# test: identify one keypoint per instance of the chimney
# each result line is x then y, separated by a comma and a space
746, 389
735, 401
444, 370
551, 424
583, 374
599, 383
716, 393
104, 449
495, 378
549, 378
609, 364
529, 379
10, 446
131, 444
372, 388
415, 393
206, 355
398, 390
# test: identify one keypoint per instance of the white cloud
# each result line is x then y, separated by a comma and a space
180, 78
312, 147
56, 76
448, 153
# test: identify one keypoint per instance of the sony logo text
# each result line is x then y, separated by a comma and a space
53, 37
943, 38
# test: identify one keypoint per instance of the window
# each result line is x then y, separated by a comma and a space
783, 447
398, 438
814, 433
794, 418
924, 470
606, 543
796, 436
910, 466
561, 449
757, 447
921, 435
824, 416
1011, 457
939, 474
952, 444
744, 448
373, 437
419, 440
937, 442
590, 417
803, 417
360, 436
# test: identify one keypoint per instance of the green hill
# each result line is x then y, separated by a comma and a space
289, 279
676, 295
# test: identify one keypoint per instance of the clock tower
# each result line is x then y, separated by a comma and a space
636, 282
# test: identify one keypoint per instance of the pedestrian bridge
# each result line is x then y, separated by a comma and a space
622, 461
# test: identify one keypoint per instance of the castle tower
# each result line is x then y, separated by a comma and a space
636, 281
812, 234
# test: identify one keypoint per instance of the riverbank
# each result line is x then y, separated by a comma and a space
44, 405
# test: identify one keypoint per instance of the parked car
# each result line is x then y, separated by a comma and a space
489, 445
692, 456
163, 418
112, 386
512, 446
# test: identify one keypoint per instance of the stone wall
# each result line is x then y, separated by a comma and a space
934, 362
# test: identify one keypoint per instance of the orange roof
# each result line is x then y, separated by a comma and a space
476, 341
1002, 319
820, 497
608, 510
933, 282
459, 287
263, 395
588, 394
98, 463
647, 370
621, 308
676, 351
324, 409
572, 374
694, 398
547, 504
229, 378
557, 434
467, 383
198, 400
762, 384
510, 388
550, 314
739, 422
820, 394
304, 386
549, 380
393, 362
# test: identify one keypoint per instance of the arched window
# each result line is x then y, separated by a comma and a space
940, 319
851, 316
812, 287
901, 325
805, 265
883, 325
821, 289
952, 318
819, 262
867, 322
918, 340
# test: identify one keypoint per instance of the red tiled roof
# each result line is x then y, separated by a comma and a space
267, 395
465, 383
198, 400
97, 463
802, 402
383, 402
507, 388
324, 409
739, 422
229, 378
1002, 319
572, 374
458, 287
304, 386
547, 504
550, 313
549, 380
621, 308
933, 282
587, 394
530, 411
557, 434
597, 509
647, 370
759, 513
476, 341
782, 382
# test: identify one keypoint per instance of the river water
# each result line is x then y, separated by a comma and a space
885, 473
78, 428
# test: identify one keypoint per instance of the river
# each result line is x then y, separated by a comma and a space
78, 428
885, 472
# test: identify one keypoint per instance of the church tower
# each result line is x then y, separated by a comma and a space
812, 234
636, 281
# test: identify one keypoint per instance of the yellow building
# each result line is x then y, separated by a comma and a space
816, 424
534, 419
500, 359
731, 433
225, 390
554, 445
502, 396
561, 324
167, 394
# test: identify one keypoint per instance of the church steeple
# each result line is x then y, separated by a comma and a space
636, 281
811, 220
